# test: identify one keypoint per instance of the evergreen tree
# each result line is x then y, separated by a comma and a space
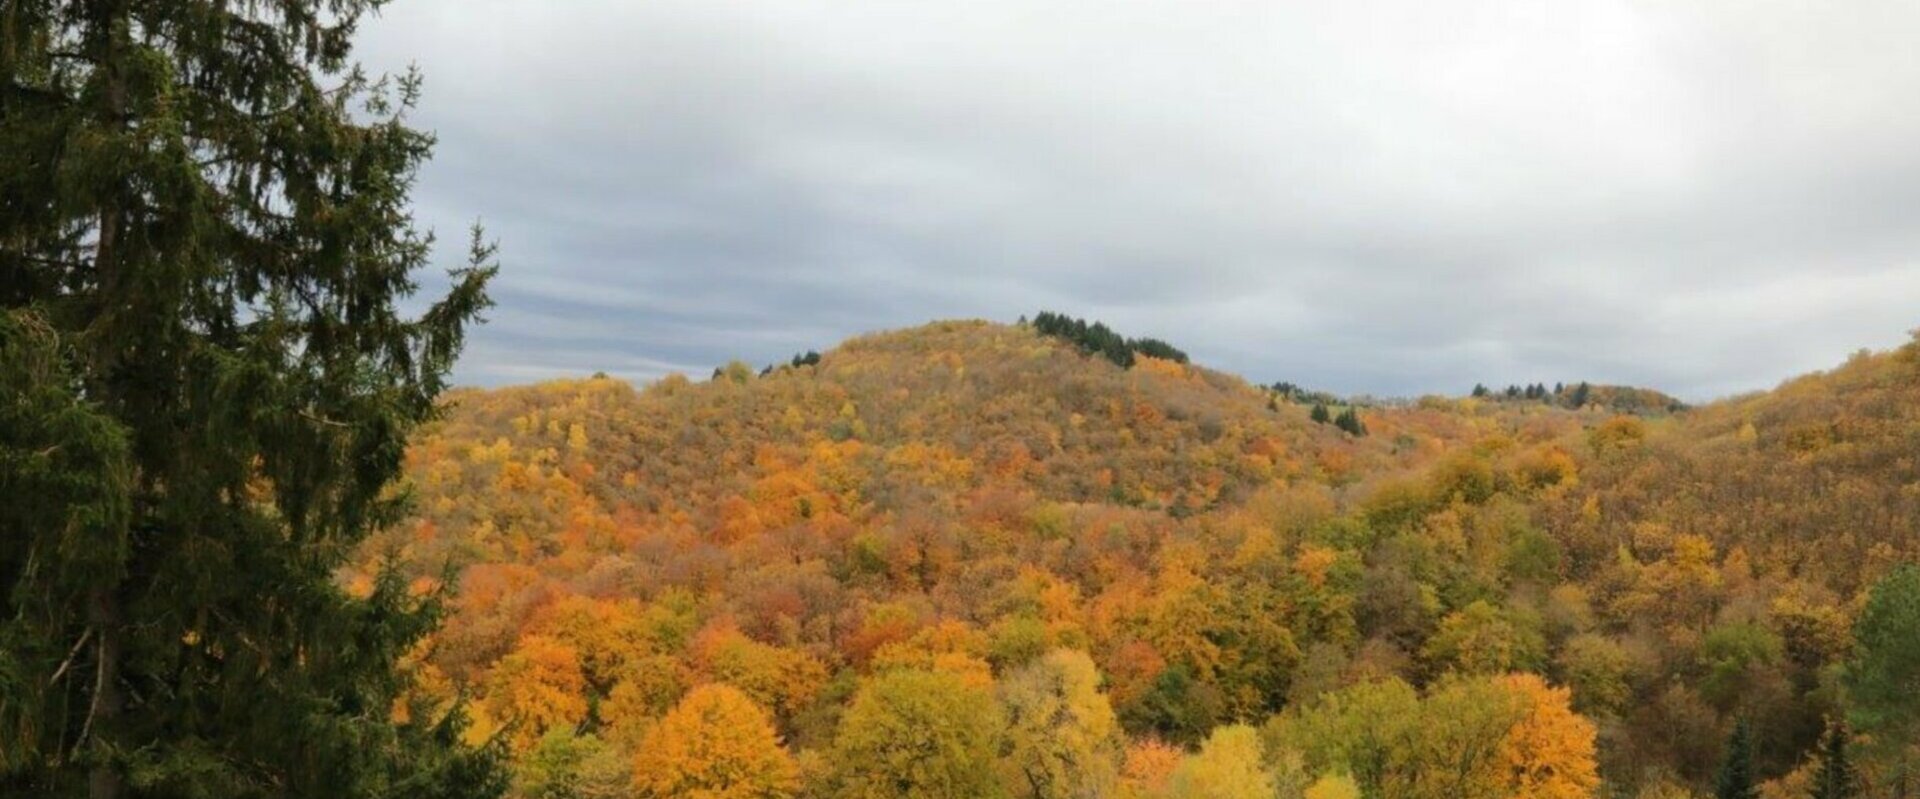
1836, 778
1882, 681
1736, 780
1319, 414
1581, 393
206, 384
1480, 390
1349, 420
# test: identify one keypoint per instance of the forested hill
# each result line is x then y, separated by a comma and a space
1077, 575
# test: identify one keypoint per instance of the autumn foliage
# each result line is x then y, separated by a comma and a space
970, 560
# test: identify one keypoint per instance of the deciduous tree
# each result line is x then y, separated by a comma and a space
1228, 766
1062, 737
917, 734
715, 744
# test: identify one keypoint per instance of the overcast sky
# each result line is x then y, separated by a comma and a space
1394, 198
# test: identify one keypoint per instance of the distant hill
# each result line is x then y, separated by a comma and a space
965, 497
1620, 399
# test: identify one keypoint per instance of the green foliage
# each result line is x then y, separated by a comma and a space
1883, 679
1736, 779
1366, 730
1097, 338
65, 473
1483, 639
1349, 421
1597, 669
1176, 706
1732, 654
917, 734
211, 380
565, 765
1835, 778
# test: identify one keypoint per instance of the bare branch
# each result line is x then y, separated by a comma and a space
70, 655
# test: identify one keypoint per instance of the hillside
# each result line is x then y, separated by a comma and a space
983, 504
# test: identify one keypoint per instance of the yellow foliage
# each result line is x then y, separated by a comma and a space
1549, 752
1332, 786
1228, 766
538, 687
715, 744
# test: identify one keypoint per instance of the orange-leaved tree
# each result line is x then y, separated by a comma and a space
715, 744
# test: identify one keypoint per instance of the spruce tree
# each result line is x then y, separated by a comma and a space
1736, 779
1835, 778
206, 383
1581, 393
1319, 414
1349, 420
1882, 679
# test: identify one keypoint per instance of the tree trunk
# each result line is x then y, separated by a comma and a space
103, 612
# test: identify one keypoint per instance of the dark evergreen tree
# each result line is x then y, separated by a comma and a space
206, 384
1736, 779
1156, 348
1882, 681
1349, 420
1319, 414
1581, 394
1098, 339
1480, 390
1835, 778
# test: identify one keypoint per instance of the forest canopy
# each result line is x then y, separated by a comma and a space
1070, 578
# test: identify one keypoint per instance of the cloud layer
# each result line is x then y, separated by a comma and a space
1393, 198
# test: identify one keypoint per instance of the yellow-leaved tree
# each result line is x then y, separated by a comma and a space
536, 688
1228, 766
1549, 752
1062, 738
715, 744
916, 734
1333, 786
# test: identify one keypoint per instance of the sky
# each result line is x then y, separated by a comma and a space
1392, 198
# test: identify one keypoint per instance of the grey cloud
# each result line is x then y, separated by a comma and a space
1383, 197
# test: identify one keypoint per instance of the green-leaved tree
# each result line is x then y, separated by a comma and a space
1882, 681
207, 377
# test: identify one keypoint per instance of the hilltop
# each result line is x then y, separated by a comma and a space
966, 497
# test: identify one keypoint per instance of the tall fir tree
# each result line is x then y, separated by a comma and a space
206, 381
1736, 780
1835, 777
1882, 680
